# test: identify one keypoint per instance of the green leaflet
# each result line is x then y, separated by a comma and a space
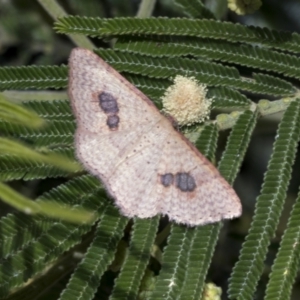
269, 205
206, 72
237, 145
223, 97
22, 151
18, 114
202, 240
207, 141
286, 264
56, 133
201, 249
185, 264
271, 81
194, 9
74, 192
182, 272
28, 244
166, 67
171, 277
244, 55
128, 282
13, 167
180, 27
38, 77
59, 110
84, 25
152, 87
231, 160
15, 270
50, 209
86, 278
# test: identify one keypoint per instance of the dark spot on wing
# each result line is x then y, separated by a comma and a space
185, 182
166, 179
108, 103
113, 122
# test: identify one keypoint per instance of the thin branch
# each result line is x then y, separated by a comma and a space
227, 120
146, 8
56, 11
265, 108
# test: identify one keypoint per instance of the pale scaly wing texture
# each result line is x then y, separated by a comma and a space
91, 80
145, 164
192, 191
105, 132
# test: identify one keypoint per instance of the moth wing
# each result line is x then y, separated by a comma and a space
99, 147
90, 77
168, 175
198, 194
136, 177
146, 165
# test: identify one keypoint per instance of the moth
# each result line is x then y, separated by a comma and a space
146, 165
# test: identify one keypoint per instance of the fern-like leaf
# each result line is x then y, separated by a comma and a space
86, 278
237, 145
12, 239
267, 80
223, 97
286, 265
207, 141
51, 110
182, 266
51, 240
57, 133
202, 243
180, 27
244, 55
37, 77
229, 165
152, 87
129, 280
18, 114
269, 205
84, 25
202, 240
206, 72
170, 280
13, 167
194, 9
178, 256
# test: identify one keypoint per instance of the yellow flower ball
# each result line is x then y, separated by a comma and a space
186, 101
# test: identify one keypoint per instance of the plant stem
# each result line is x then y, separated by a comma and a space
265, 108
146, 8
226, 121
56, 11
